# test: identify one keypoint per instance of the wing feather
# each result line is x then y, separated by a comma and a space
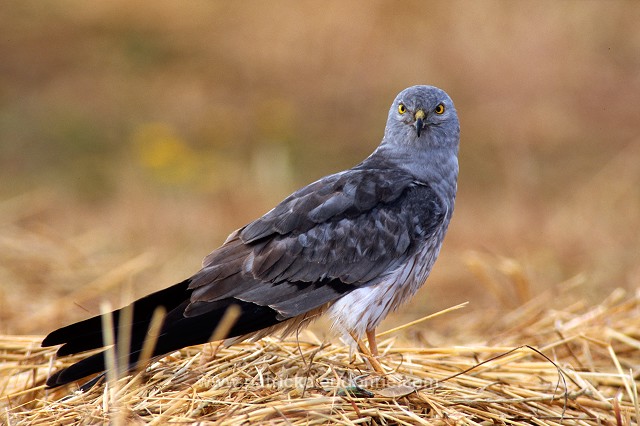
324, 240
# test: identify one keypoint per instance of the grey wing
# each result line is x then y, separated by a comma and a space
324, 240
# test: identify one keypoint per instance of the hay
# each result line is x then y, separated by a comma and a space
580, 366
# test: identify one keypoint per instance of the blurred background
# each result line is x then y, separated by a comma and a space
135, 136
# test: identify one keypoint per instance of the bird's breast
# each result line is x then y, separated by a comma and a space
365, 307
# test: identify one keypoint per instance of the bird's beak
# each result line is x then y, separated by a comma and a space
419, 116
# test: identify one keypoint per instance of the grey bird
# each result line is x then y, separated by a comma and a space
354, 245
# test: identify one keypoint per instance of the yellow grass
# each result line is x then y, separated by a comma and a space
571, 365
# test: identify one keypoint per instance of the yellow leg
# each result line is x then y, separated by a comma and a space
373, 346
373, 360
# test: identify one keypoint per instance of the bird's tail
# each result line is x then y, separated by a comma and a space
177, 330
88, 334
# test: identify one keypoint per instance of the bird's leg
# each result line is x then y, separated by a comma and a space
373, 346
373, 360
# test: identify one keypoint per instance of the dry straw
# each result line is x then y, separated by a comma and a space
576, 365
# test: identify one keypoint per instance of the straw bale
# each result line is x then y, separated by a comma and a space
542, 364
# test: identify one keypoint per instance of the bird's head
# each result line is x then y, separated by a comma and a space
423, 114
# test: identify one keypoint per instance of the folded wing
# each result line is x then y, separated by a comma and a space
344, 231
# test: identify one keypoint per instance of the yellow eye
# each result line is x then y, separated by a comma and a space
439, 109
402, 109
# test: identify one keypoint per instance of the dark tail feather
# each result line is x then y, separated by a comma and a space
85, 335
91, 365
177, 330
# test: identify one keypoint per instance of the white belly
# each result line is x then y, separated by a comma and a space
364, 308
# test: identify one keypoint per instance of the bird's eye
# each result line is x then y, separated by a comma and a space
402, 109
439, 109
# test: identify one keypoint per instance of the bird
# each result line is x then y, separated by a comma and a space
354, 245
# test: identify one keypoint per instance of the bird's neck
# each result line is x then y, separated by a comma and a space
437, 167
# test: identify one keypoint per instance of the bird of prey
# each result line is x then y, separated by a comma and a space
354, 245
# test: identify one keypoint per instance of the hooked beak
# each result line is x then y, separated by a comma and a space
419, 116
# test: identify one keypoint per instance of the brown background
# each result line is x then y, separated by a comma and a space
134, 136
